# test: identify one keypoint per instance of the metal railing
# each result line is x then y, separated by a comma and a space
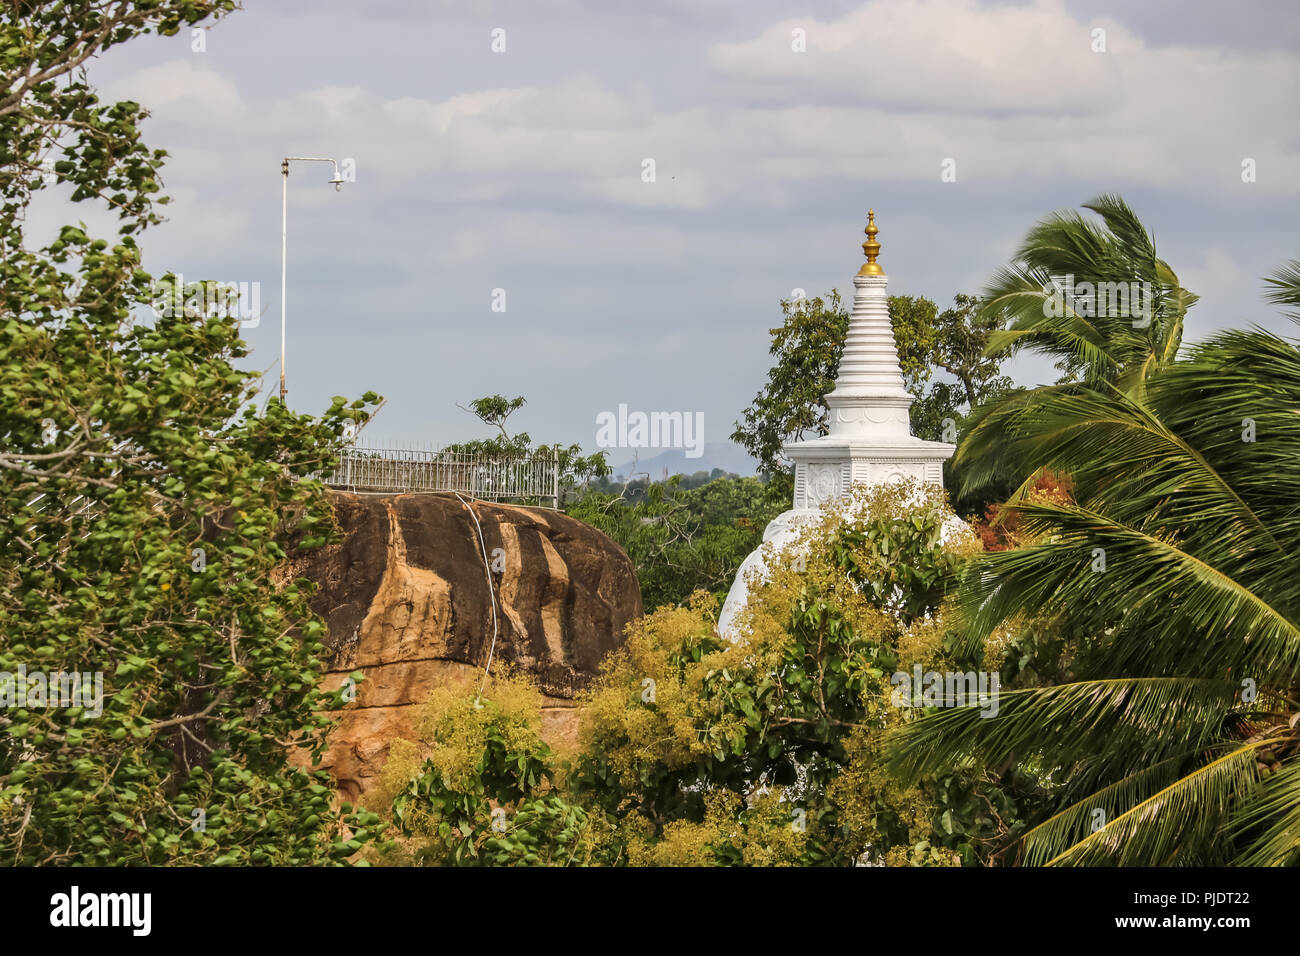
380, 469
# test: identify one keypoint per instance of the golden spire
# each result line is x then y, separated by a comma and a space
871, 248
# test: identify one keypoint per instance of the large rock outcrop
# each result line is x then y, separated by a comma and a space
407, 602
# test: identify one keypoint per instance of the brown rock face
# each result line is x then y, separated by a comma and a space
407, 602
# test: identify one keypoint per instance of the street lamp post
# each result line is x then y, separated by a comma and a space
284, 240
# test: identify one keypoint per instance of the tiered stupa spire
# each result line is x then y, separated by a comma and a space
870, 440
869, 386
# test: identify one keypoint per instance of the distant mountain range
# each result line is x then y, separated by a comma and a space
725, 455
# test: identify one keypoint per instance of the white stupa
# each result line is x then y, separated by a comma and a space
870, 441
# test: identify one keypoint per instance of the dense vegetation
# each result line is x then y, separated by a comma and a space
685, 534
945, 361
694, 751
1131, 595
147, 508
1168, 573
686, 539
1135, 597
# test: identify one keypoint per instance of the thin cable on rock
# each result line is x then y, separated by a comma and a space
487, 566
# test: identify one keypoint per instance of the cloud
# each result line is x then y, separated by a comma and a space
890, 92
524, 172
946, 56
186, 93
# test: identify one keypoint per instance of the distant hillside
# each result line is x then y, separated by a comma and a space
725, 455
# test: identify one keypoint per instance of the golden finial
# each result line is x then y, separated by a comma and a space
871, 248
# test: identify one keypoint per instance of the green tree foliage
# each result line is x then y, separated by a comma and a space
1095, 340
478, 788
954, 341
637, 486
1170, 737
494, 410
693, 751
807, 346
148, 509
809, 343
682, 540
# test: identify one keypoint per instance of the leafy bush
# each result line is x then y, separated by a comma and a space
683, 540
766, 751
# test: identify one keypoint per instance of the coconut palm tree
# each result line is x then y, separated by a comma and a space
1094, 297
1176, 737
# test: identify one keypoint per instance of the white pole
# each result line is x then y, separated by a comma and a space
284, 259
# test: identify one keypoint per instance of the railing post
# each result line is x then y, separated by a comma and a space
555, 475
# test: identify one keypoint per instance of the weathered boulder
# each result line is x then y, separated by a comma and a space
407, 602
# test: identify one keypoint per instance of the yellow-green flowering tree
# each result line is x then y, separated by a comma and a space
763, 751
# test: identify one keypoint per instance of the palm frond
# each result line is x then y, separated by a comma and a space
1173, 611
1127, 462
1283, 286
1177, 825
1274, 817
1104, 343
989, 448
1077, 820
1060, 727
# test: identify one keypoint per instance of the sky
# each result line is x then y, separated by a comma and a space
517, 175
